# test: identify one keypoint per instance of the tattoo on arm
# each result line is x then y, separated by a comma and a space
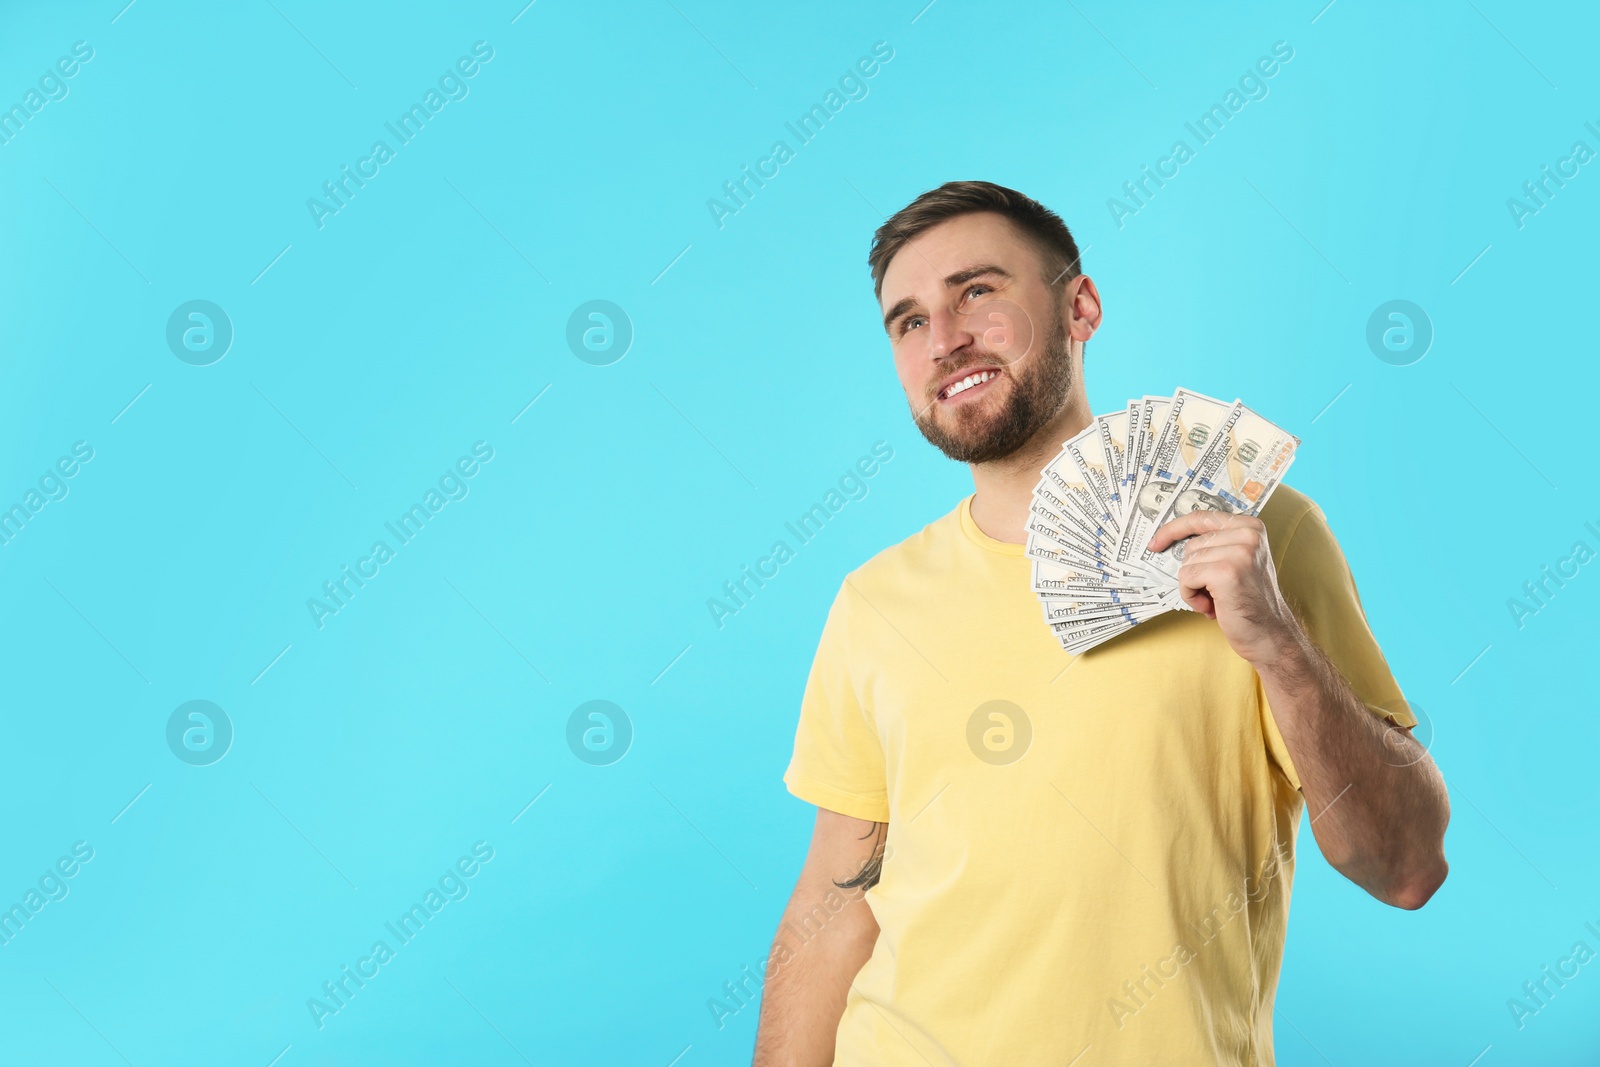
872, 870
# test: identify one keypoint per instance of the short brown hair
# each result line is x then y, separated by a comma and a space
1043, 227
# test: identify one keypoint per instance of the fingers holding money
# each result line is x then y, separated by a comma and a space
1194, 586
1221, 577
1105, 558
1235, 584
1244, 543
1208, 527
1232, 551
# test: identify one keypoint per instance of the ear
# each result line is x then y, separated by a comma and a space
1081, 304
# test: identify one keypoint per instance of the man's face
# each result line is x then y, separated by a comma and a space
968, 298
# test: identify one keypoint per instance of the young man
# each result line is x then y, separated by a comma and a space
1025, 857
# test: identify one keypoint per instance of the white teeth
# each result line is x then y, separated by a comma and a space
969, 381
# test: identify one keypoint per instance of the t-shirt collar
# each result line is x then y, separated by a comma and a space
981, 539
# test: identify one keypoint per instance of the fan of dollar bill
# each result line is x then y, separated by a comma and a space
1100, 500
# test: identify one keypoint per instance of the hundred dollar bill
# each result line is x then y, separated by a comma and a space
1256, 454
1127, 472
1149, 413
1093, 454
1063, 581
1073, 497
1068, 614
1099, 500
1052, 539
1080, 636
1056, 506
1048, 544
1240, 468
1040, 546
1191, 420
1135, 603
1066, 528
1114, 443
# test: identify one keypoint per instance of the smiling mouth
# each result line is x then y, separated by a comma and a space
972, 383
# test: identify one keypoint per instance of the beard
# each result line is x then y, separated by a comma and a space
975, 433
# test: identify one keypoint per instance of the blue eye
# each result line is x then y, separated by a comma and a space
910, 322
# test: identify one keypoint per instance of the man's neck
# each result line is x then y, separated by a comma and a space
1005, 486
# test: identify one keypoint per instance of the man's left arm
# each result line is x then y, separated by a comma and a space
1379, 804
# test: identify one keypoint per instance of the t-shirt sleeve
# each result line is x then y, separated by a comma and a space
838, 760
1317, 584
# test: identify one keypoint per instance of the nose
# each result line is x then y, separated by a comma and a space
947, 333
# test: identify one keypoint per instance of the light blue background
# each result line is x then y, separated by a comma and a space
428, 313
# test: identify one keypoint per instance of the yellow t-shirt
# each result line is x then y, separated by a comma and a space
1109, 879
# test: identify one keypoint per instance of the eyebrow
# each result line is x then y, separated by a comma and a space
950, 282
